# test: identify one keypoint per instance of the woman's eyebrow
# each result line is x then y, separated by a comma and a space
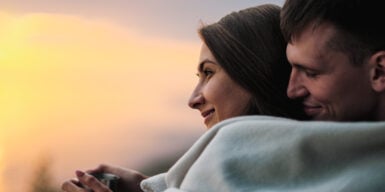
202, 64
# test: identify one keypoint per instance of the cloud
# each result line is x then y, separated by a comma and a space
167, 18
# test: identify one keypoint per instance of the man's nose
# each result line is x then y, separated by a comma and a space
296, 88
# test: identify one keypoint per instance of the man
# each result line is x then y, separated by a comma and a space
337, 52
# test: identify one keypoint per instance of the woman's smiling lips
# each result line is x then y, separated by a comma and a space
206, 113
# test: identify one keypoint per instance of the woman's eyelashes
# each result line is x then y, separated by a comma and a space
208, 72
205, 73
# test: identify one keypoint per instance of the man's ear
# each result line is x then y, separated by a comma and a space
378, 71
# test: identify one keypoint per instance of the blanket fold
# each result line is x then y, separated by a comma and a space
261, 153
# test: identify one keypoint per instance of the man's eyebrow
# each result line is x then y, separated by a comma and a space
202, 64
299, 66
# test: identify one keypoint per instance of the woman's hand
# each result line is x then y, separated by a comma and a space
129, 180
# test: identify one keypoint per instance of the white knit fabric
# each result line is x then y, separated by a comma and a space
269, 154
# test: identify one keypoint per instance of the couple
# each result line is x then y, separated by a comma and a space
337, 58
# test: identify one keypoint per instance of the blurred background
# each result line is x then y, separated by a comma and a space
84, 82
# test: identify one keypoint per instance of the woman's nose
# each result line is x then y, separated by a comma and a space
196, 99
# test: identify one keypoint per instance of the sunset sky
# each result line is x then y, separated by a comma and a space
87, 82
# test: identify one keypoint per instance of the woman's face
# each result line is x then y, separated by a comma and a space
216, 95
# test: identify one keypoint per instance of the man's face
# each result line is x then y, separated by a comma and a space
329, 85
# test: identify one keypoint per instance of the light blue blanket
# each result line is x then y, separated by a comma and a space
268, 154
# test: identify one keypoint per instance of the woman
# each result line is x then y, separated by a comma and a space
242, 71
243, 68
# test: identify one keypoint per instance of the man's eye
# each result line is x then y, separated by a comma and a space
311, 74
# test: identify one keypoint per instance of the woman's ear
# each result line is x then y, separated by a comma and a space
378, 71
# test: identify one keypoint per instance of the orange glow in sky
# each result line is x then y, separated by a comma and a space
68, 83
